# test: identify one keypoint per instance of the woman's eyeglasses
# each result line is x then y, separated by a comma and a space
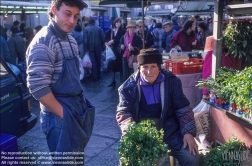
139, 26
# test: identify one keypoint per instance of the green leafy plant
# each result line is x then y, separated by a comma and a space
219, 85
234, 86
142, 144
237, 39
225, 154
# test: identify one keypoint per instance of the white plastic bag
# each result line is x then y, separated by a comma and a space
201, 116
82, 71
86, 62
109, 54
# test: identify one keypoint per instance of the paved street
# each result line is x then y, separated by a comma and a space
101, 149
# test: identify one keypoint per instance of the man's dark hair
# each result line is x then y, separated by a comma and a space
159, 25
78, 28
73, 3
154, 21
38, 28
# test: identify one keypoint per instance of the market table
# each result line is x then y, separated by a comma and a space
189, 82
224, 124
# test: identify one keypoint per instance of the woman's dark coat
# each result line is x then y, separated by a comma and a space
116, 64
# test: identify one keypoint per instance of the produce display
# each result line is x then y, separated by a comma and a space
231, 90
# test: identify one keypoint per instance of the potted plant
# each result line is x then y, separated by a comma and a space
142, 145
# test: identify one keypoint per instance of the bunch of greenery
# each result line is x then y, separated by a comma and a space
237, 39
221, 84
142, 144
218, 156
234, 86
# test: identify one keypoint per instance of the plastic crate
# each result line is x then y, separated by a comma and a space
194, 65
8, 144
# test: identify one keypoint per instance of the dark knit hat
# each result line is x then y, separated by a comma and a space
150, 55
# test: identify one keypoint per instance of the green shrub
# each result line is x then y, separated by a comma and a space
221, 155
141, 144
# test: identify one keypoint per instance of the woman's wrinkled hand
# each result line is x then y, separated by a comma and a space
190, 142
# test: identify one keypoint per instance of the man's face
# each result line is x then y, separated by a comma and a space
140, 27
149, 72
66, 17
167, 28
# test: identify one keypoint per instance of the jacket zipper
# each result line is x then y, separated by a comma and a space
153, 93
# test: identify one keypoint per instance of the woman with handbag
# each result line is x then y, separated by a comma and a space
112, 39
129, 47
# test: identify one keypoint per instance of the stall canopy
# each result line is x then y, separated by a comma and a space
16, 7
195, 8
129, 3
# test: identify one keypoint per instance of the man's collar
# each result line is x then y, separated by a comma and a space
59, 32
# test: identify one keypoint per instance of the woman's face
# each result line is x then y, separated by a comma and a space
149, 72
193, 27
131, 30
118, 24
199, 29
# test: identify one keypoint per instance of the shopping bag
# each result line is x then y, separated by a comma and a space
82, 71
86, 62
109, 54
201, 116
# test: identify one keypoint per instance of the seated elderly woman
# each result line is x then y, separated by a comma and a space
156, 94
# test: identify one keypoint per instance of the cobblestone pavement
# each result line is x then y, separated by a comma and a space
101, 149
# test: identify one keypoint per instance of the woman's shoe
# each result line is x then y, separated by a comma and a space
113, 83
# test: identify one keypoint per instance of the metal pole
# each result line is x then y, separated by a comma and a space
143, 24
217, 49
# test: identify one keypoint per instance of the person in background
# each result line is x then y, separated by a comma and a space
93, 42
202, 34
21, 31
175, 24
210, 24
37, 29
112, 39
53, 79
3, 32
130, 44
149, 40
185, 39
157, 33
4, 50
153, 25
228, 61
28, 35
17, 47
77, 34
166, 38
156, 94
16, 24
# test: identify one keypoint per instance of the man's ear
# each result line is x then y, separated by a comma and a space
54, 9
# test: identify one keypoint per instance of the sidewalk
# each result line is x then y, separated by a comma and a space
102, 147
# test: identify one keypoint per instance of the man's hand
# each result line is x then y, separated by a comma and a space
189, 140
122, 47
110, 42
